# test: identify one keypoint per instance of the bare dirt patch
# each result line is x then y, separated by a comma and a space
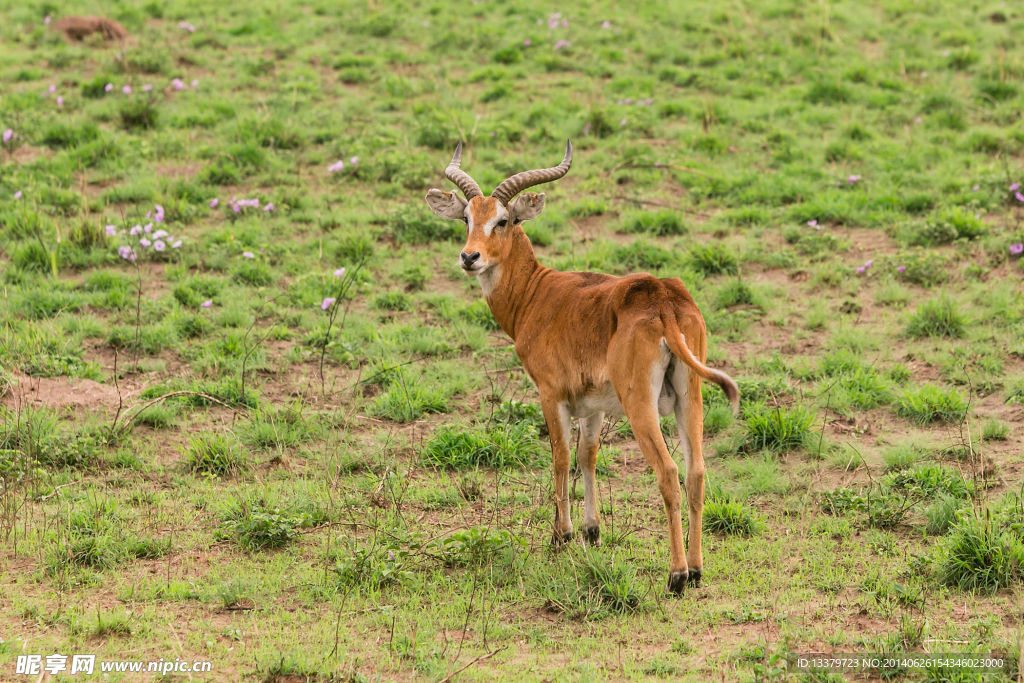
60, 392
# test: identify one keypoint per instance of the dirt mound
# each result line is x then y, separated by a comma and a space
60, 392
77, 28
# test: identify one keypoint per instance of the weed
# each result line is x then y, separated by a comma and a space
730, 517
979, 555
937, 318
778, 429
929, 403
502, 446
657, 223
214, 454
713, 259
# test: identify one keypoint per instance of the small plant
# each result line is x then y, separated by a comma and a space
138, 113
502, 446
937, 318
392, 301
730, 517
995, 430
778, 429
942, 515
979, 555
658, 223
476, 546
713, 259
214, 454
259, 527
929, 403
717, 419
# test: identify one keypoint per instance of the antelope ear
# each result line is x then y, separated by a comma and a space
446, 204
526, 206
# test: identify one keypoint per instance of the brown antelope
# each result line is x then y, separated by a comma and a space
594, 345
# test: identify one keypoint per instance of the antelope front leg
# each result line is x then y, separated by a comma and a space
556, 414
586, 456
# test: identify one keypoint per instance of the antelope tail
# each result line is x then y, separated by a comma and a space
676, 343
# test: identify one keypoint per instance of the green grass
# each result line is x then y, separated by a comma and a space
778, 429
387, 460
215, 455
928, 403
937, 318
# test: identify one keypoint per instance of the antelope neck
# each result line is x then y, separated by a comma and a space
517, 282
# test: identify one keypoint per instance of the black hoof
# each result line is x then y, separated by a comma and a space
694, 577
592, 535
560, 539
677, 581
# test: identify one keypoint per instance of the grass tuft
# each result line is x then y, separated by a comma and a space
928, 403
939, 317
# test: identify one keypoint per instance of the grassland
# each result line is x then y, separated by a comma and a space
228, 449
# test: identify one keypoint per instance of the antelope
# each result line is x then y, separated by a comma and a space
594, 345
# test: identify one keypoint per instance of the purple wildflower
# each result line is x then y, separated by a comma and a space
144, 242
127, 90
147, 88
852, 180
207, 303
562, 43
867, 264
46, 20
111, 230
327, 303
176, 245
159, 245
248, 254
60, 101
622, 122
108, 87
813, 222
195, 84
1014, 187
148, 227
1017, 249
860, 269
17, 195
391, 554
159, 217
8, 134
135, 231
185, 26
160, 234
606, 24
214, 202
340, 272
901, 269
355, 160
336, 166
178, 84
126, 253
269, 207
976, 188
235, 207
1019, 196
527, 43
52, 88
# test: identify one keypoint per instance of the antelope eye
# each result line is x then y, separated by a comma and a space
502, 223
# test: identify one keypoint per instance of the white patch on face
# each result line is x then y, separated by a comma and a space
488, 280
501, 215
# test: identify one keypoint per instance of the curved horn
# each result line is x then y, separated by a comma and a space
460, 177
520, 181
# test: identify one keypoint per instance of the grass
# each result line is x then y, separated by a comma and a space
215, 455
928, 403
778, 429
937, 318
386, 459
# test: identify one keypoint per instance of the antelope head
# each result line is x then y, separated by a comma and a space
492, 222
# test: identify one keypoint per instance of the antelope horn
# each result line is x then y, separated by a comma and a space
520, 181
460, 177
